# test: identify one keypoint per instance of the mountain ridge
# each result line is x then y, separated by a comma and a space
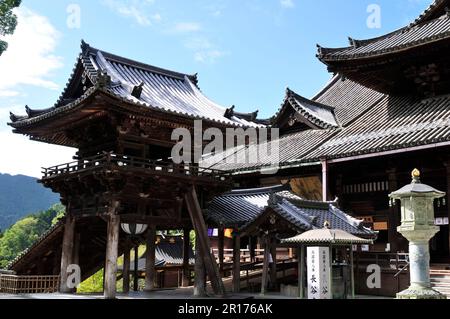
22, 195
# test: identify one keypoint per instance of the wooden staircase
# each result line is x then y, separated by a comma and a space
440, 281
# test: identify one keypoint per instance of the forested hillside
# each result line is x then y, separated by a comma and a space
20, 196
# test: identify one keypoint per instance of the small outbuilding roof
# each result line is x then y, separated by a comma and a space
326, 236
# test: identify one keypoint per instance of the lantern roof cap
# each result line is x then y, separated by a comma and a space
416, 188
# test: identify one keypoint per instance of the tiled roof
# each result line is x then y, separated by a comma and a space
292, 148
348, 98
411, 36
241, 208
393, 123
238, 207
371, 122
318, 114
434, 10
168, 252
143, 85
326, 236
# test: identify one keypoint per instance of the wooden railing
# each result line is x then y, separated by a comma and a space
156, 166
13, 284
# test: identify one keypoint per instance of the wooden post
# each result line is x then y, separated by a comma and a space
185, 280
199, 280
150, 259
301, 270
273, 267
352, 272
112, 247
393, 213
126, 271
447, 166
324, 180
221, 248
198, 222
236, 262
265, 270
136, 270
76, 254
252, 244
67, 252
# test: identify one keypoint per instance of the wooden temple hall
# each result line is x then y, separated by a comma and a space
385, 111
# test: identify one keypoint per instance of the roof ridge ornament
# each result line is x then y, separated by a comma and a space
84, 47
447, 12
137, 90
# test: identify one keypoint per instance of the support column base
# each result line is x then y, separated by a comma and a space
420, 293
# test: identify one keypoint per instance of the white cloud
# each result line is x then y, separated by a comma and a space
20, 148
186, 27
287, 3
30, 57
209, 56
134, 9
204, 50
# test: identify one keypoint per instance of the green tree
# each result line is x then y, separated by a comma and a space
25, 232
8, 20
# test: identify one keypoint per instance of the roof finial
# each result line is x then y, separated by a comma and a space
84, 46
326, 224
415, 174
447, 11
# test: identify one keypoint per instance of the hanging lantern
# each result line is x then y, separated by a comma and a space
134, 229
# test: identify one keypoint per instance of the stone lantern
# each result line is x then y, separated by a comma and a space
417, 226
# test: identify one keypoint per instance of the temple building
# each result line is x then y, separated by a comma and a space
385, 111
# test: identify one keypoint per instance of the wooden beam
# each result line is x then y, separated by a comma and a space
150, 260
67, 252
185, 280
198, 221
126, 270
236, 262
112, 245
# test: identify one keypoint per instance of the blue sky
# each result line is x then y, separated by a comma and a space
246, 52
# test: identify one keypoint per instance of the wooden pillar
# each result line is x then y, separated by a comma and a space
252, 244
126, 271
136, 270
221, 248
201, 231
352, 272
76, 254
273, 266
447, 166
67, 252
236, 262
393, 217
301, 270
112, 247
324, 180
150, 259
185, 280
265, 270
199, 280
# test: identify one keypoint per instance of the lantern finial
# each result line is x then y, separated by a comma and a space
416, 175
